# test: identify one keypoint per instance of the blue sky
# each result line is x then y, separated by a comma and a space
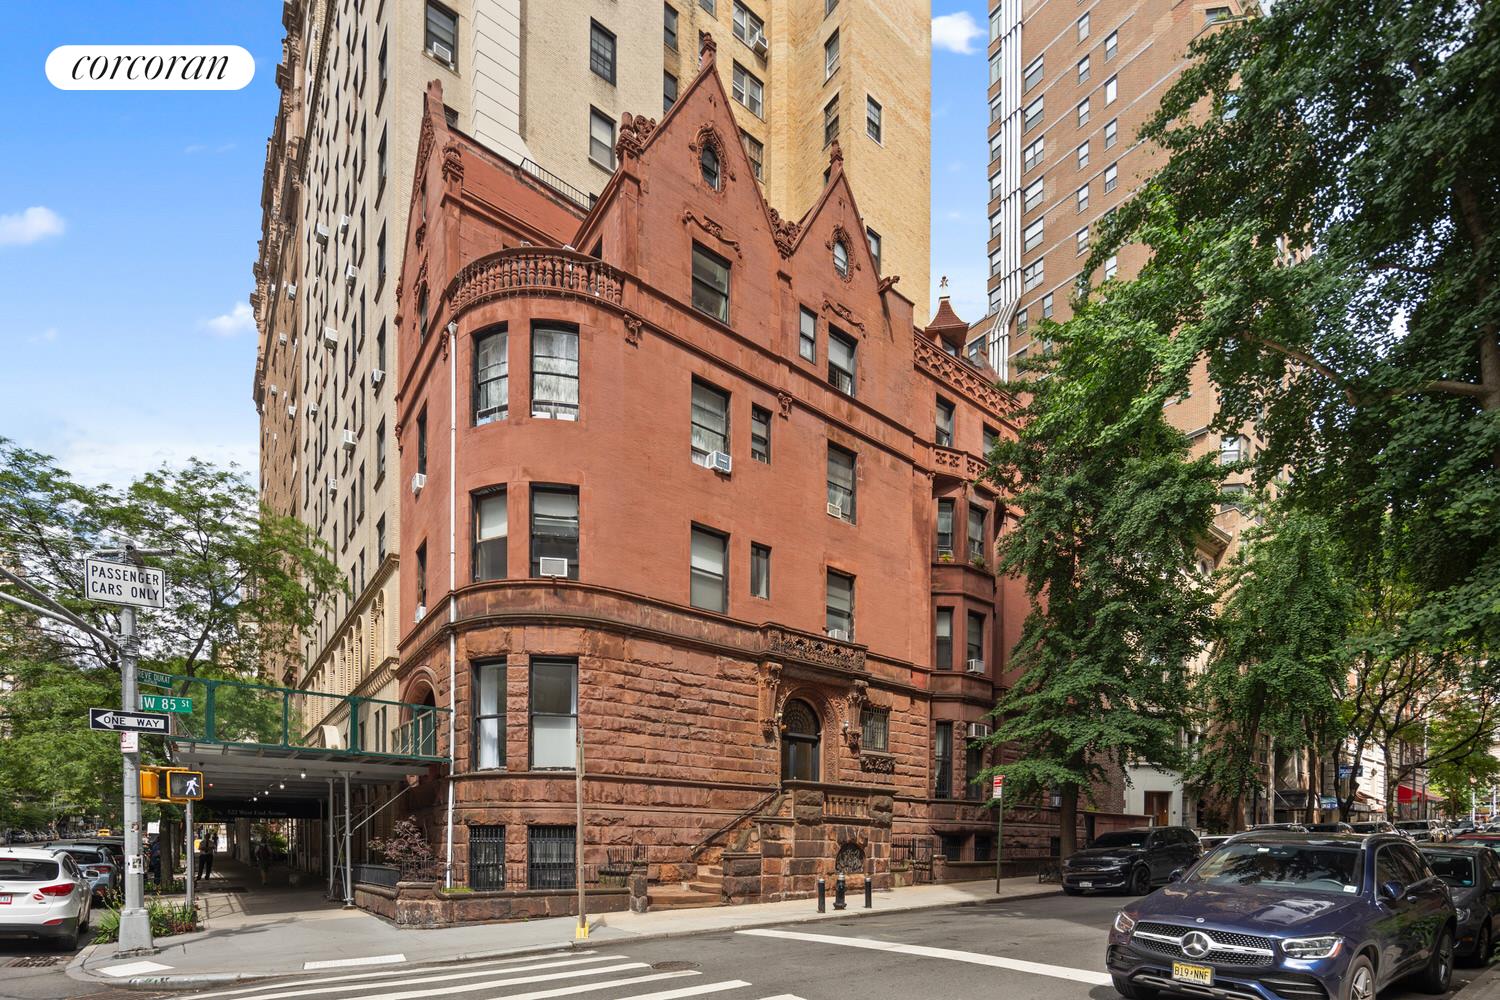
129, 221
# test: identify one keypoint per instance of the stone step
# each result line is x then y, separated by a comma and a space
711, 886
679, 897
710, 871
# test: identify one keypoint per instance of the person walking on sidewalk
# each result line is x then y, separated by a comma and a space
207, 845
263, 860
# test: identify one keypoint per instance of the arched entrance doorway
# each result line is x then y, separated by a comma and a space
801, 742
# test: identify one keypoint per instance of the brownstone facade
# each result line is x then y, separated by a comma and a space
673, 476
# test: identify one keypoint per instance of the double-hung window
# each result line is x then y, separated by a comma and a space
491, 534
807, 334
760, 434
669, 26
831, 55
747, 27
491, 376
709, 570
756, 151
1032, 154
441, 39
1083, 155
554, 714
1111, 132
1032, 75
1082, 197
1031, 236
748, 90
944, 435
945, 527
1083, 27
943, 629
554, 527
601, 139
942, 761
1083, 70
831, 120
489, 715
1032, 116
554, 371
873, 239
873, 118
1032, 275
1230, 446
668, 91
841, 482
1111, 44
1031, 195
974, 788
1111, 89
839, 612
974, 638
874, 729
841, 370
710, 422
1083, 112
760, 570
976, 531
1111, 177
602, 51
710, 283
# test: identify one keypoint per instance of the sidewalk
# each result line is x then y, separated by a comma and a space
260, 933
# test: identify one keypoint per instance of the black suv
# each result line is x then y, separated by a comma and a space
1131, 860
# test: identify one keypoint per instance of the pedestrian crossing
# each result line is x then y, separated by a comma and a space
591, 975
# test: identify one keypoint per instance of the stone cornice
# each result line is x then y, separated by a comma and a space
960, 376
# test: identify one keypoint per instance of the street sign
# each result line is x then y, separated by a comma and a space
165, 703
130, 742
114, 720
124, 583
184, 785
999, 786
153, 678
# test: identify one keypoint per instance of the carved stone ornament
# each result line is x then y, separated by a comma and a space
844, 313
709, 136
835, 154
706, 44
814, 649
854, 706
453, 162
887, 283
633, 331
960, 375
425, 143
635, 132
768, 686
421, 235
784, 399
850, 860
784, 232
878, 763
841, 235
712, 228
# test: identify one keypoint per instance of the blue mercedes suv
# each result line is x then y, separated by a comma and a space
1289, 916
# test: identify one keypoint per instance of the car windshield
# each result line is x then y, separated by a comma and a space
1366, 827
1282, 866
27, 870
1414, 824
84, 854
1455, 869
1122, 838
1324, 827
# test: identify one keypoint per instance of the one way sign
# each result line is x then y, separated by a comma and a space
114, 720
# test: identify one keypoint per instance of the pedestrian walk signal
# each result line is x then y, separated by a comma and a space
184, 785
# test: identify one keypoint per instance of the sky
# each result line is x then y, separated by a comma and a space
129, 223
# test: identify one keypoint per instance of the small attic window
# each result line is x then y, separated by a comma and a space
708, 163
841, 258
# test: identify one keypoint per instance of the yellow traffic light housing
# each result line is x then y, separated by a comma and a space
151, 790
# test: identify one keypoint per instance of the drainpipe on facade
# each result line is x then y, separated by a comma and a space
452, 580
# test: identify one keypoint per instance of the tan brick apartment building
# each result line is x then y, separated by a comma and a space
682, 476
543, 84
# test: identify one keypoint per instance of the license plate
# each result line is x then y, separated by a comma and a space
4, 899
1201, 975
1085, 885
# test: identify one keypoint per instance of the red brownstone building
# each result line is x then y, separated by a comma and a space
681, 475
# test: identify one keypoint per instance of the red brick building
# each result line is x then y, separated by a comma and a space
682, 474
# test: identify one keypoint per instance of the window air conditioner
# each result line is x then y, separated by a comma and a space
421, 613
839, 634
377, 376
321, 232
350, 440
312, 409
758, 43
440, 52
330, 337
418, 480
552, 566
291, 290
274, 390
350, 273
333, 485
720, 461
273, 288
978, 730
834, 510
291, 411
281, 338
976, 666
343, 224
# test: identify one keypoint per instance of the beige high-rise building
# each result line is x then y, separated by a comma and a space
545, 85
1070, 85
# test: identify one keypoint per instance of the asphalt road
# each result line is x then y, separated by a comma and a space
31, 972
1044, 949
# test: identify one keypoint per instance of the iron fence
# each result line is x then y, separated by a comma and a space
383, 875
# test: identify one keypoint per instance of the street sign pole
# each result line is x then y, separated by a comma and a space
192, 855
581, 932
135, 923
999, 826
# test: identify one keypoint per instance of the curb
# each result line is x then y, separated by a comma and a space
196, 980
1488, 980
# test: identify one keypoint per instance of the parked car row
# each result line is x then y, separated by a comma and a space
44, 894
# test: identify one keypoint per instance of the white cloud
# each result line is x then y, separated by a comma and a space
233, 323
955, 32
36, 223
117, 458
203, 147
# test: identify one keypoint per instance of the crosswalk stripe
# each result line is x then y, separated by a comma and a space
598, 970
336, 963
783, 996
561, 991
359, 976
952, 955
690, 991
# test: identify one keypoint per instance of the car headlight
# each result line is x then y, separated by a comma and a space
1124, 922
1463, 913
1314, 947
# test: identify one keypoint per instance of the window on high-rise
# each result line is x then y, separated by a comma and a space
995, 69
1031, 195
1032, 154
748, 90
491, 376
554, 371
872, 118
1082, 197
1111, 45
1083, 70
601, 139
602, 51
1111, 177
1032, 74
421, 580
831, 120
747, 27
1111, 266
1082, 239
1111, 132
1083, 27
1047, 306
873, 239
554, 527
1083, 112
831, 55
841, 482
1032, 116
1032, 275
441, 38
755, 151
1083, 156
708, 422
1230, 449
710, 283
709, 570
839, 605
491, 533
422, 442
841, 370
669, 26
1111, 89
668, 91
1031, 236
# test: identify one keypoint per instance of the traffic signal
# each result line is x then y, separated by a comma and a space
183, 785
151, 790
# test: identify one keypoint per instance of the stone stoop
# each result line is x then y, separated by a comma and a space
681, 896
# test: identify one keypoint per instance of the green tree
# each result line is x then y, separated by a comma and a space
1279, 660
1111, 509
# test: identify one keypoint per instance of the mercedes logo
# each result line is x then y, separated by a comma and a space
1196, 944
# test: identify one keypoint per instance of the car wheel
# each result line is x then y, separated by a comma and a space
1439, 971
1140, 881
1132, 991
1483, 945
1360, 980
86, 915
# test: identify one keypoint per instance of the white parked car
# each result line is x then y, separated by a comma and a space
43, 894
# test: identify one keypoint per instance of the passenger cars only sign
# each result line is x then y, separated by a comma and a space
124, 583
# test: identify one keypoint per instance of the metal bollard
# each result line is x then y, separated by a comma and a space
838, 893
869, 892
822, 896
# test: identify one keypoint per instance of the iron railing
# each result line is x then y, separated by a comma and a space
550, 860
383, 875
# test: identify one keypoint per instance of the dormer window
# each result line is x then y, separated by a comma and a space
708, 163
841, 258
